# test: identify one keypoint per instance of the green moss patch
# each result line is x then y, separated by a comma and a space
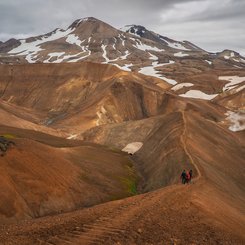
130, 182
8, 136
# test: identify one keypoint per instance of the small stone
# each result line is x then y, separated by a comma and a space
139, 230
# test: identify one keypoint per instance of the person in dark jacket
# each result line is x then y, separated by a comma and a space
183, 177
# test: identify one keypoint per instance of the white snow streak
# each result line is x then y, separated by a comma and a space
72, 136
104, 53
181, 85
144, 47
175, 45
124, 57
209, 62
180, 54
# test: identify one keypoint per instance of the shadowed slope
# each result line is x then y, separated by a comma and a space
34, 184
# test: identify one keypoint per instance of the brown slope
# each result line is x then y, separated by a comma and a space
42, 86
163, 154
18, 117
161, 158
68, 94
209, 211
233, 100
33, 184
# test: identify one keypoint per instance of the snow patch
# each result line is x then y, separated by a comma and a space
180, 54
181, 85
151, 71
175, 45
209, 62
132, 147
31, 49
124, 57
169, 63
169, 80
121, 37
237, 119
196, 94
233, 81
72, 136
144, 47
125, 67
227, 57
55, 54
73, 39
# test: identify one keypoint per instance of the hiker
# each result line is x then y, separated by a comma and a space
183, 177
190, 173
187, 178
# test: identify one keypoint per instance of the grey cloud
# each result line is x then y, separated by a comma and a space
223, 10
181, 19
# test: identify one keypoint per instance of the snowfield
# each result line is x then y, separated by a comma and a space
150, 71
233, 81
197, 94
31, 49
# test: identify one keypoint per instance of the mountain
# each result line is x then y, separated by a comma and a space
103, 121
133, 48
142, 32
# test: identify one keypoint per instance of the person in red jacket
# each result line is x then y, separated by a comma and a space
188, 177
190, 173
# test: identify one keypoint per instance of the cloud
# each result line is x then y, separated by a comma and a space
211, 24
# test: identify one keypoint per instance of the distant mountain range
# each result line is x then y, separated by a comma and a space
132, 48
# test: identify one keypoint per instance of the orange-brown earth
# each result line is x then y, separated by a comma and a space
59, 175
46, 174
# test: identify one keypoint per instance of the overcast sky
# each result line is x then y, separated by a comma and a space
211, 24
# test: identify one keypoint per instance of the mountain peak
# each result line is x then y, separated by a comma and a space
77, 22
87, 20
91, 25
